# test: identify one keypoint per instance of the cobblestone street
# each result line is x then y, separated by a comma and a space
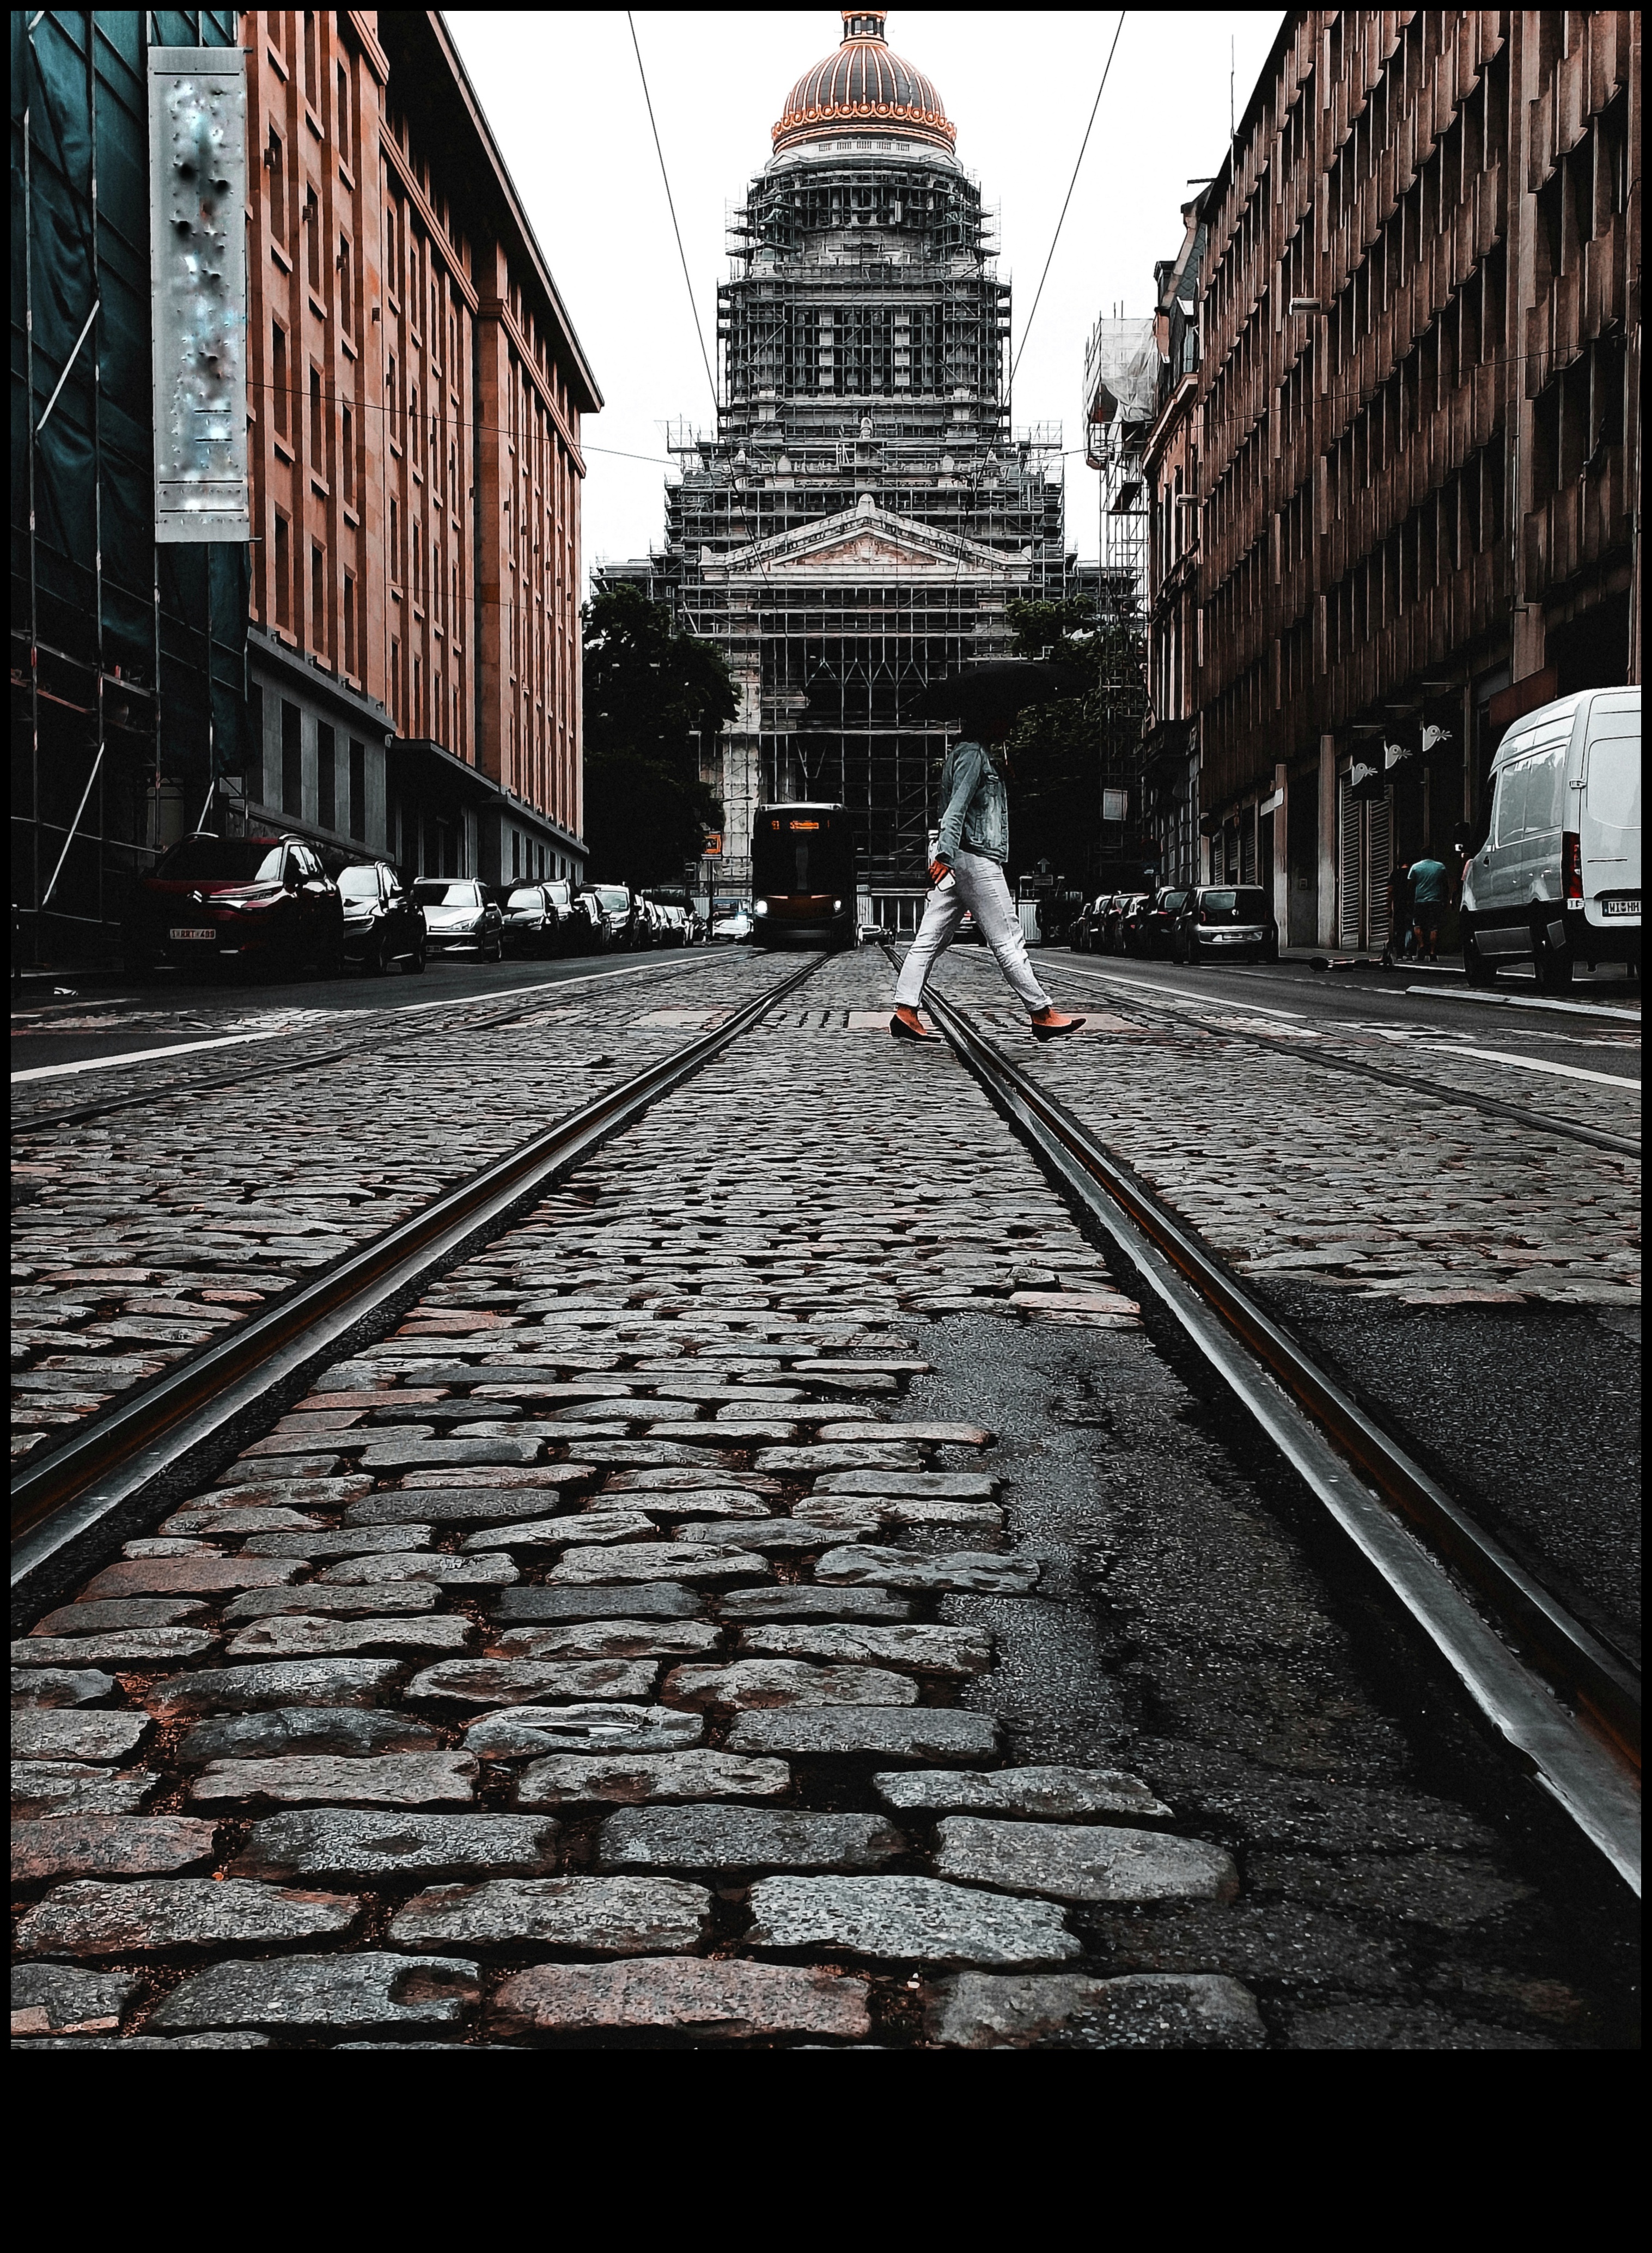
777, 1592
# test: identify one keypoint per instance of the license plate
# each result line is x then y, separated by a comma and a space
1621, 906
193, 930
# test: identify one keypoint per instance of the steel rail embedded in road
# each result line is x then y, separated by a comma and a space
171, 1428
1588, 1763
1622, 1146
379, 1036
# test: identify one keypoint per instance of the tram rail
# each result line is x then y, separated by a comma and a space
1545, 1122
1563, 1702
74, 1502
378, 1038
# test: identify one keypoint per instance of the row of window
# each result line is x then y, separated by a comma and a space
340, 802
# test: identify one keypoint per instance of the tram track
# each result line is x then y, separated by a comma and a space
1561, 1701
1545, 1122
73, 1504
378, 1039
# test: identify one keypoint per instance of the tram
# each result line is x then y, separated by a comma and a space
803, 875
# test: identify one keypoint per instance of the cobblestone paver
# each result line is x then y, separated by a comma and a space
1289, 1168
748, 1731
138, 1238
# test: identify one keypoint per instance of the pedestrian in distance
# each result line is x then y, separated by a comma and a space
967, 873
1428, 905
1399, 912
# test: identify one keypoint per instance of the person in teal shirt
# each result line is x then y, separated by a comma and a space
1429, 901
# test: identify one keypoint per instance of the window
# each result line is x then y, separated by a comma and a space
326, 778
347, 453
223, 860
312, 76
317, 424
347, 285
357, 789
312, 233
278, 375
415, 717
292, 760
392, 397
283, 572
341, 117
276, 165
350, 623
318, 598
416, 550
395, 679
395, 541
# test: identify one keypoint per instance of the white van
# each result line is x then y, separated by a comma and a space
1555, 874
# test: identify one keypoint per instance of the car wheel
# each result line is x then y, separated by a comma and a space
330, 962
415, 960
376, 960
1553, 963
1481, 971
493, 949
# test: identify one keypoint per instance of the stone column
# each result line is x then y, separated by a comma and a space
1327, 925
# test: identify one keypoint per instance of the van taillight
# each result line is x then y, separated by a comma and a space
1572, 867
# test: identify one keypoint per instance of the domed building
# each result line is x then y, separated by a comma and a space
862, 515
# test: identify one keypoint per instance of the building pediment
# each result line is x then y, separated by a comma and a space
865, 543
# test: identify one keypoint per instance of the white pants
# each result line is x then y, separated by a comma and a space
979, 887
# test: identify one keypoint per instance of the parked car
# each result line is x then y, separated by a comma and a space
618, 906
1081, 932
595, 938
733, 924
538, 919
383, 922
678, 926
1152, 929
1553, 870
1119, 909
460, 917
223, 902
1233, 920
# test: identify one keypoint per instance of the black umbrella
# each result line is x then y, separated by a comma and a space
995, 689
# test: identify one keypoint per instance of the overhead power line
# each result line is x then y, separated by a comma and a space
671, 206
1071, 185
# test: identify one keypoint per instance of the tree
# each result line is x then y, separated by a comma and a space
1060, 753
655, 698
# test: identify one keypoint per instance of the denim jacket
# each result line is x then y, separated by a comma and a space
974, 805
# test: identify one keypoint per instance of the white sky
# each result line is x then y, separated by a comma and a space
561, 93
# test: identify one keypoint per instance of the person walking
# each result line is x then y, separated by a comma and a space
1399, 912
967, 872
1428, 904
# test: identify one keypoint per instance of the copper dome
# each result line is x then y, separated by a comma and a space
863, 88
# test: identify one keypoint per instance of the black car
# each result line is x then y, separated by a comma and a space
383, 922
1152, 929
1235, 921
1083, 930
618, 906
540, 919
220, 903
1116, 918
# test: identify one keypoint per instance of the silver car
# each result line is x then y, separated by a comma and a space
460, 918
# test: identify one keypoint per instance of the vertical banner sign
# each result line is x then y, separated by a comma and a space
197, 283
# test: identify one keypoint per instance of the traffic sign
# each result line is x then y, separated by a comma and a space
714, 843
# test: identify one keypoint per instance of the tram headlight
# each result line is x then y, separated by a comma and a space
837, 907
760, 906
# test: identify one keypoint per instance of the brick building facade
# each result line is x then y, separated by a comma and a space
417, 389
1418, 443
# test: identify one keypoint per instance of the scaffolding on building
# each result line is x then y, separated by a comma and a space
128, 659
862, 339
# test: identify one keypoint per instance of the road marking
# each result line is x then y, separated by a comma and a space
142, 1056
1525, 1001
1538, 1064
1210, 1000
333, 1018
